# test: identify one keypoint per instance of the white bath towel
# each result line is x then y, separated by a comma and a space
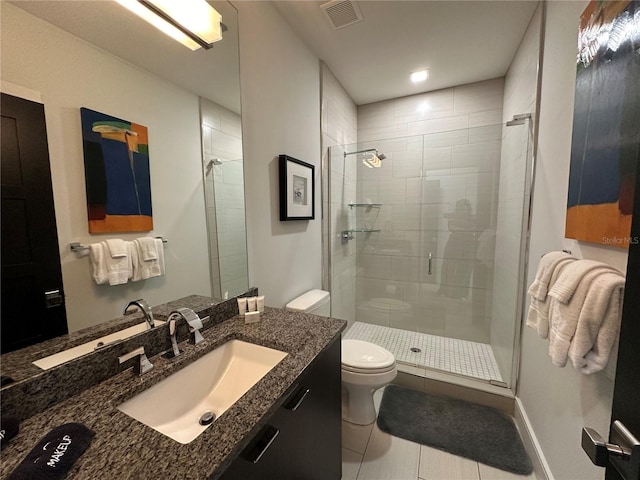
148, 248
599, 324
540, 286
119, 267
98, 265
160, 252
538, 314
564, 316
570, 279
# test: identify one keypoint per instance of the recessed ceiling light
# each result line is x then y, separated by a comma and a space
419, 76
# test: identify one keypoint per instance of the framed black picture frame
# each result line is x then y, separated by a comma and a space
297, 189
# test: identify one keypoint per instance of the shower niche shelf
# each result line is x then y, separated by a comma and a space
348, 234
366, 205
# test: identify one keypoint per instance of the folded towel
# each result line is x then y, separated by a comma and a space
9, 428
567, 284
149, 268
98, 263
546, 266
598, 325
117, 247
136, 272
119, 267
55, 454
563, 317
538, 314
148, 248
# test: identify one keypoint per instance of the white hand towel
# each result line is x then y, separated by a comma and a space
567, 284
563, 317
538, 315
540, 286
598, 325
117, 248
119, 267
149, 268
98, 264
148, 248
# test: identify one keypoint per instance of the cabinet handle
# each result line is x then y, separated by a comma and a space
263, 444
297, 400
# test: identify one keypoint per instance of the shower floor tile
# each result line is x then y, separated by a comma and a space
462, 357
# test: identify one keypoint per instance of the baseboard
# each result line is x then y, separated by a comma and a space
540, 466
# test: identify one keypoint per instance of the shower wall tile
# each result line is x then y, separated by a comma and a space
406, 164
446, 139
478, 97
374, 266
483, 157
485, 134
423, 106
393, 191
436, 158
437, 125
376, 115
374, 133
487, 117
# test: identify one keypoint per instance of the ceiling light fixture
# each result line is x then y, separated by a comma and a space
419, 76
194, 23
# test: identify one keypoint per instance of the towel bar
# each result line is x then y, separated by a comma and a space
79, 247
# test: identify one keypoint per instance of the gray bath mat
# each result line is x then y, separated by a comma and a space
480, 433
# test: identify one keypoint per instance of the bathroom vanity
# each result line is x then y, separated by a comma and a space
299, 398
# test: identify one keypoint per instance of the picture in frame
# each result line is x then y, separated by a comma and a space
297, 189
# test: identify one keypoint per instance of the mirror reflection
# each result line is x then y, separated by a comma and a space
68, 55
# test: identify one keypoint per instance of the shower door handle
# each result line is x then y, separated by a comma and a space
430, 260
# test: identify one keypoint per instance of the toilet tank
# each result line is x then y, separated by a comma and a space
314, 301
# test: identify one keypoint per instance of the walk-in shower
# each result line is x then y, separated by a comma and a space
426, 251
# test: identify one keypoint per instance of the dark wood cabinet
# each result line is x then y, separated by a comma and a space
302, 439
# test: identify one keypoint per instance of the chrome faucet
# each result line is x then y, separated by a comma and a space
142, 363
193, 321
145, 308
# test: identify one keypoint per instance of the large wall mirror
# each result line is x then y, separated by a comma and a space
189, 100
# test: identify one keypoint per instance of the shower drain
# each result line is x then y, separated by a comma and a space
415, 349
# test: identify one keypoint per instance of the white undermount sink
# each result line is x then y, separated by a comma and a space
213, 383
58, 358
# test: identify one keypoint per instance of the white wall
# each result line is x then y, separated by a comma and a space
559, 402
339, 128
520, 91
280, 80
70, 74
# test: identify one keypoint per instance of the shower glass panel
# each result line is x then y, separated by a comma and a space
426, 226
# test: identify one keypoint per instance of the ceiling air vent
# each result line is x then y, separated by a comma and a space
342, 13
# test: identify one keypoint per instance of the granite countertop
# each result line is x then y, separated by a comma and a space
124, 448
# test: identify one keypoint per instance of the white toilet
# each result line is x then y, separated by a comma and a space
366, 367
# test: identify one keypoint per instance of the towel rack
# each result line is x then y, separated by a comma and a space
80, 247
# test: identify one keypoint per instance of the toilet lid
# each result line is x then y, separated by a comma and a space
361, 355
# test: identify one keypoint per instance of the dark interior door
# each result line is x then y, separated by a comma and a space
626, 395
32, 296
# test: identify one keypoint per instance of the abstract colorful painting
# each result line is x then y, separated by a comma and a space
605, 148
116, 168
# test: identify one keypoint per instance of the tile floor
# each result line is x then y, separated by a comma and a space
370, 454
461, 357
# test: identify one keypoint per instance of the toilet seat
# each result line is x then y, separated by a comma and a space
364, 357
